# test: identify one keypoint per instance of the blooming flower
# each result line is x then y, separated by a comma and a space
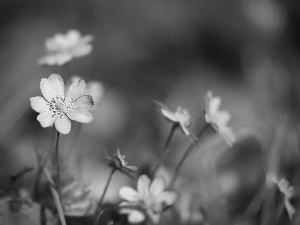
286, 189
118, 163
61, 49
149, 201
181, 116
218, 119
57, 108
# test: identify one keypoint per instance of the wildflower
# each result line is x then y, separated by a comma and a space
118, 163
61, 48
218, 119
181, 116
286, 189
57, 108
148, 202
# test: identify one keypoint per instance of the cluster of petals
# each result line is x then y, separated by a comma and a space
218, 118
286, 189
118, 163
180, 116
57, 108
62, 48
148, 202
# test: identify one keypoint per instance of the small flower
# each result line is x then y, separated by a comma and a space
181, 116
148, 202
57, 108
218, 119
286, 189
61, 49
118, 163
94, 89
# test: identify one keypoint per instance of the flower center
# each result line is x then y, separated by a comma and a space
183, 116
60, 105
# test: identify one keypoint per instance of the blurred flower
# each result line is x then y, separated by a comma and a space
118, 163
61, 49
181, 116
56, 108
148, 202
94, 89
218, 119
286, 189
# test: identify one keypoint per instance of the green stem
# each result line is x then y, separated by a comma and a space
166, 148
185, 155
57, 165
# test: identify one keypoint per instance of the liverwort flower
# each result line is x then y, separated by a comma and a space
62, 48
181, 116
57, 108
286, 189
148, 202
218, 119
118, 163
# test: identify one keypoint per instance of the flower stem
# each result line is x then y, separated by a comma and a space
185, 155
166, 148
57, 164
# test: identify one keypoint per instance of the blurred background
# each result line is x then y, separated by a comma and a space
246, 52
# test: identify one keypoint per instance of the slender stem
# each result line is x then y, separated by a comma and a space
57, 165
166, 148
185, 155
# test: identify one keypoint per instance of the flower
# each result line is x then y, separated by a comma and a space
57, 108
118, 163
94, 89
61, 49
286, 189
181, 116
149, 201
218, 119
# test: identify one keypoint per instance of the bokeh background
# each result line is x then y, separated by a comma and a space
245, 51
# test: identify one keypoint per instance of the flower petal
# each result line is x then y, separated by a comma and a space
214, 105
227, 134
143, 184
46, 119
167, 198
63, 125
82, 50
76, 89
39, 104
128, 194
154, 216
58, 83
184, 129
48, 90
157, 186
224, 117
80, 115
125, 208
136, 217
169, 115
85, 102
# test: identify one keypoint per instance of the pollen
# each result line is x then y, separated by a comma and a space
60, 105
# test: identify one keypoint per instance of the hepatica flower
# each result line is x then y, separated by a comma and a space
148, 202
218, 118
180, 116
62, 48
118, 163
57, 108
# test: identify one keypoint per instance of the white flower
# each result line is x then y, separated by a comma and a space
57, 108
286, 189
148, 202
218, 119
61, 49
180, 116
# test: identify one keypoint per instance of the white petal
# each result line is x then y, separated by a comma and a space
76, 89
96, 90
167, 198
82, 50
47, 89
157, 186
143, 184
125, 208
214, 105
84, 101
80, 115
39, 104
63, 125
128, 194
154, 217
58, 83
184, 129
136, 217
46, 119
63, 58
227, 134
169, 115
224, 118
